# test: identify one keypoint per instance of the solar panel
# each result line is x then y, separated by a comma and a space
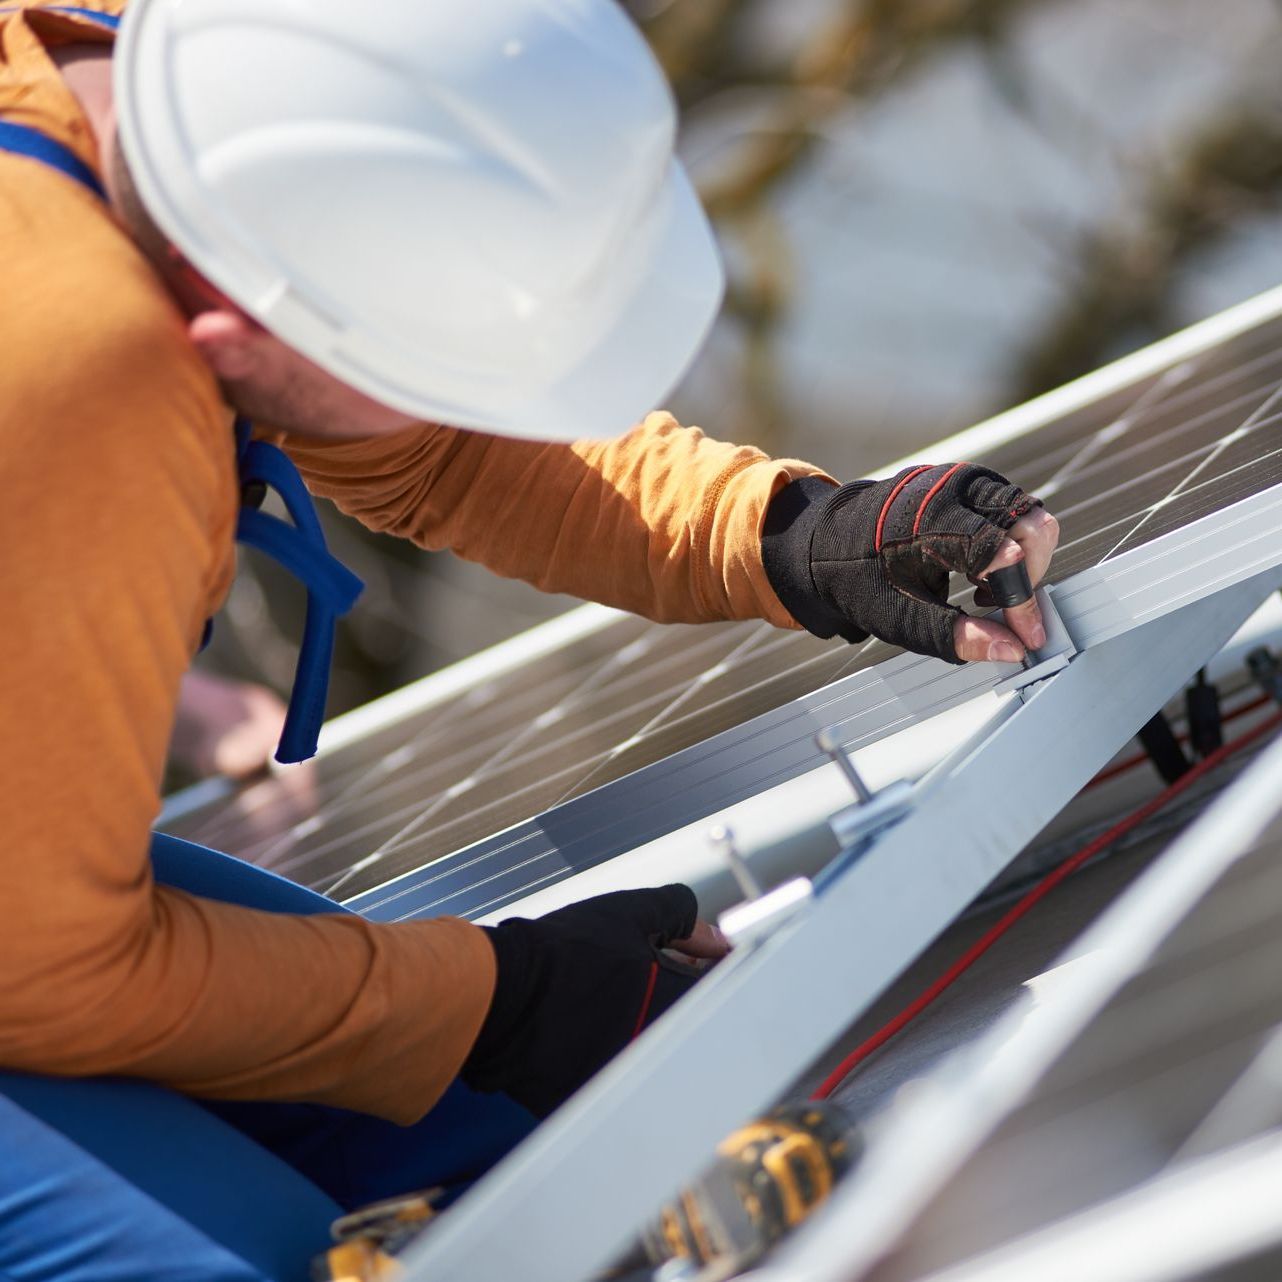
513, 783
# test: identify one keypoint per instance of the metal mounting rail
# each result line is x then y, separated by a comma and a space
569, 1198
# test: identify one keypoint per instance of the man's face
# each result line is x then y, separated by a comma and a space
274, 385
260, 376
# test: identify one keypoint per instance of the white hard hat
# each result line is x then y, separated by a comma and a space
467, 209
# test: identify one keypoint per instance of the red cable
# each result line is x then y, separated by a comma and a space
1043, 888
1140, 758
1130, 763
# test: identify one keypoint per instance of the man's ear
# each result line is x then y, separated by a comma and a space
227, 340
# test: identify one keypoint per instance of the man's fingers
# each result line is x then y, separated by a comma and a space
704, 941
1025, 621
1037, 533
224, 726
981, 639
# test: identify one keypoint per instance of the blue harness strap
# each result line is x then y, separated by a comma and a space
299, 547
108, 20
23, 141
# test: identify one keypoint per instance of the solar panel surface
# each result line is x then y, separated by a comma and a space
479, 790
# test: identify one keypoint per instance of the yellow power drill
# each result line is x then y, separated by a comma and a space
768, 1177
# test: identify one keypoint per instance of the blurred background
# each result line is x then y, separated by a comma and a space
930, 210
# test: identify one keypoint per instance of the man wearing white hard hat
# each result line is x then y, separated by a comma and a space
440, 260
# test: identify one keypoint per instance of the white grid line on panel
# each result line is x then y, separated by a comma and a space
511, 745
678, 699
1149, 399
1223, 444
1133, 452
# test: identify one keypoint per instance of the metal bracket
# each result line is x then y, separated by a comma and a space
750, 922
855, 827
1053, 657
761, 912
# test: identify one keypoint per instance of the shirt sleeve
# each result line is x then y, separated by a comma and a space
664, 521
118, 481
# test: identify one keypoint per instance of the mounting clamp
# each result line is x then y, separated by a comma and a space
1053, 657
761, 912
855, 826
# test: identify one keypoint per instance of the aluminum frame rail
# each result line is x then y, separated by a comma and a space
569, 1198
915, 1152
1096, 605
1177, 1227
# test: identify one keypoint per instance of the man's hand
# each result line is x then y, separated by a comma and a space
873, 558
576, 986
224, 726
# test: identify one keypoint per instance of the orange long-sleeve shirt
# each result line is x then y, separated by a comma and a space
116, 522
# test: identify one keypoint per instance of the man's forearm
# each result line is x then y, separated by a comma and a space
664, 521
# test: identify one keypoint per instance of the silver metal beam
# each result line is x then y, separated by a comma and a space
569, 1199
1177, 1227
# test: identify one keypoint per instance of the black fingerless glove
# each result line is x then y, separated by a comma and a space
872, 558
574, 988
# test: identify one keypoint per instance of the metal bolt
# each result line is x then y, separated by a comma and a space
830, 743
723, 843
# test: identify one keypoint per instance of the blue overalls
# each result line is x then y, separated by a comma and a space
119, 1181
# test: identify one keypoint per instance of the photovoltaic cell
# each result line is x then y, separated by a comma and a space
472, 788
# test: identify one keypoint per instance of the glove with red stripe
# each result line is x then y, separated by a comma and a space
576, 986
873, 557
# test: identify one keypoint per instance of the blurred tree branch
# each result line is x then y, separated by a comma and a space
1125, 275
865, 48
860, 50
